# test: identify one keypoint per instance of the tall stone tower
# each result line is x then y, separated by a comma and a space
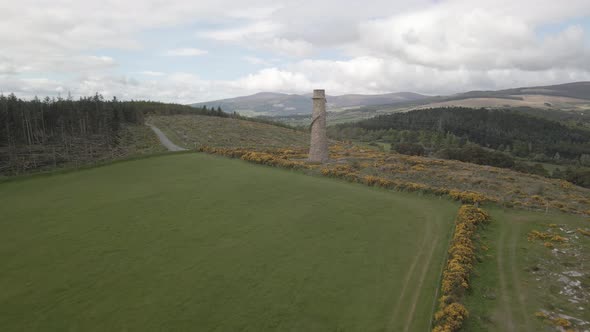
318, 149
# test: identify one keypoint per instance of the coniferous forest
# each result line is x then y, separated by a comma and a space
501, 138
46, 133
491, 128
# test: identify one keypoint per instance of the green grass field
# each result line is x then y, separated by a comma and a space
518, 278
198, 242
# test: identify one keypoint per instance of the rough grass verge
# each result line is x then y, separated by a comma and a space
280, 158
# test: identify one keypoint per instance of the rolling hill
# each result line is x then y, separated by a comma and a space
190, 131
565, 96
570, 97
577, 90
269, 103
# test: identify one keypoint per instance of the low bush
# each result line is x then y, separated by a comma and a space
411, 149
580, 177
272, 160
467, 197
477, 155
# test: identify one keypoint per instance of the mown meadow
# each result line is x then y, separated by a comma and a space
193, 240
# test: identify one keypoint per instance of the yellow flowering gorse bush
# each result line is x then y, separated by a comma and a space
455, 279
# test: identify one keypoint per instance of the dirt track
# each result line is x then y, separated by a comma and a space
165, 140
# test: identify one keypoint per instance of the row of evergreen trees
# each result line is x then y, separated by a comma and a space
38, 122
495, 138
45, 133
521, 134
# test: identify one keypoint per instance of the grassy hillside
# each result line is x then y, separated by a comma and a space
195, 130
280, 104
193, 240
527, 284
573, 90
571, 98
536, 101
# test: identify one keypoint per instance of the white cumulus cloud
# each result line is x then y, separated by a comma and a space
436, 47
185, 52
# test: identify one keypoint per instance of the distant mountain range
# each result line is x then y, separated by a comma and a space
579, 90
275, 104
565, 96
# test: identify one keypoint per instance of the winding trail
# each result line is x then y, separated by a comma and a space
514, 314
166, 142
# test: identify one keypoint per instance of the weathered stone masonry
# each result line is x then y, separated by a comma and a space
318, 150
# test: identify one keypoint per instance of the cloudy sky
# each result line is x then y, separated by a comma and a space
188, 51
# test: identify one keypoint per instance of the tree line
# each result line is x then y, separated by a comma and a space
45, 133
500, 138
523, 135
41, 134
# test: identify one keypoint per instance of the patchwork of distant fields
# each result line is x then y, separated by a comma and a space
536, 101
198, 242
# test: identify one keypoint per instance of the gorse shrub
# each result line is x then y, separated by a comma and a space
272, 160
277, 159
467, 197
349, 172
455, 278
450, 318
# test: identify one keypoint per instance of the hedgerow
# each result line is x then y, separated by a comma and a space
460, 263
272, 160
276, 159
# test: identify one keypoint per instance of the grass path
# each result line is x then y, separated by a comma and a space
504, 290
409, 275
166, 142
518, 277
418, 290
193, 240
417, 285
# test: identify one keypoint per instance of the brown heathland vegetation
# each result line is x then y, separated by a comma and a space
461, 181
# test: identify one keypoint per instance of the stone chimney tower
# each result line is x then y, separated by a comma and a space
318, 149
